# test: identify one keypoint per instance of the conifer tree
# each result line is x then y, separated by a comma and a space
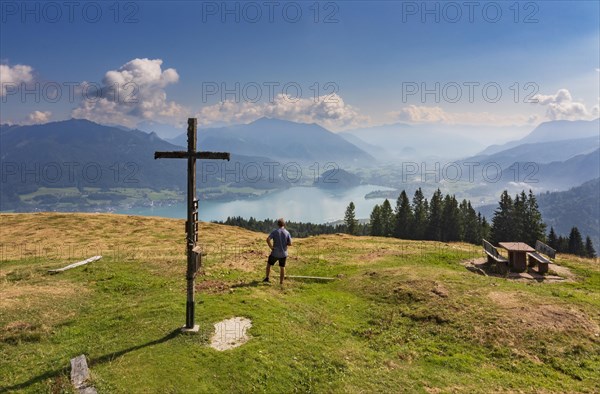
387, 219
589, 248
563, 244
450, 229
434, 220
403, 217
375, 222
552, 239
519, 218
420, 208
576, 246
486, 229
350, 219
470, 223
502, 228
533, 226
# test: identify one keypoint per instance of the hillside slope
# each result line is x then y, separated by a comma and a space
400, 316
578, 206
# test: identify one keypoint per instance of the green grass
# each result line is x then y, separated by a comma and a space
403, 316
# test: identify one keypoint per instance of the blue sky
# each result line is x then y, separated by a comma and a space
370, 54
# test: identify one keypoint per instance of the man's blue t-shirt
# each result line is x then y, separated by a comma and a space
281, 237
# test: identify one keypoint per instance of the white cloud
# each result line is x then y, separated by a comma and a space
133, 93
38, 117
425, 114
328, 111
562, 106
17, 75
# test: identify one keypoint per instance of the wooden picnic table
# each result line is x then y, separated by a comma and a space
517, 254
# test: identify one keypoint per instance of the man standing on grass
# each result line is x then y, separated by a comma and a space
278, 242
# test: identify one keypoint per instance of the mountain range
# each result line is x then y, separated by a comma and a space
282, 140
79, 153
398, 142
556, 130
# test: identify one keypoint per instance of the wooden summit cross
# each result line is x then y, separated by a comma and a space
191, 225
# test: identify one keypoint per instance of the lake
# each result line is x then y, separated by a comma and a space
306, 204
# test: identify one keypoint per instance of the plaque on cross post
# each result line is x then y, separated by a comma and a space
191, 225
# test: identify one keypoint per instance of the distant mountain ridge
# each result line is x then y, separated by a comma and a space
282, 140
555, 156
556, 130
540, 152
79, 153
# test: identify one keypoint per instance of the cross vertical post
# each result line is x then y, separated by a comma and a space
191, 225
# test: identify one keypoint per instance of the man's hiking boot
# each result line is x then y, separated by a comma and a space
266, 280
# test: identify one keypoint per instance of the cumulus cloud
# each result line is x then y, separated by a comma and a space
562, 106
38, 117
425, 114
133, 93
328, 111
15, 75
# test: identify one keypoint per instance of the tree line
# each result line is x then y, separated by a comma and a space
298, 229
442, 218
572, 244
519, 219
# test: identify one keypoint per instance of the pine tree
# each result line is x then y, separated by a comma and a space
576, 243
420, 208
434, 225
350, 219
589, 248
450, 229
403, 216
470, 223
552, 239
562, 244
534, 228
502, 227
486, 229
387, 219
519, 218
375, 222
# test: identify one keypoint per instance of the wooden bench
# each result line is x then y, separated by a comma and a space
536, 258
494, 258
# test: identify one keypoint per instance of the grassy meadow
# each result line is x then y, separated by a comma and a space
401, 316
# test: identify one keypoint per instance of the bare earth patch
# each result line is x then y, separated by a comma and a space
230, 333
211, 286
520, 307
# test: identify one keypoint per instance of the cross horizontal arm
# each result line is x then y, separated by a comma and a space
197, 155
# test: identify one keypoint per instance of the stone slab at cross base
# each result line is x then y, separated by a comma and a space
192, 330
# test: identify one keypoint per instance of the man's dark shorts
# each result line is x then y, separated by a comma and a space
273, 259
